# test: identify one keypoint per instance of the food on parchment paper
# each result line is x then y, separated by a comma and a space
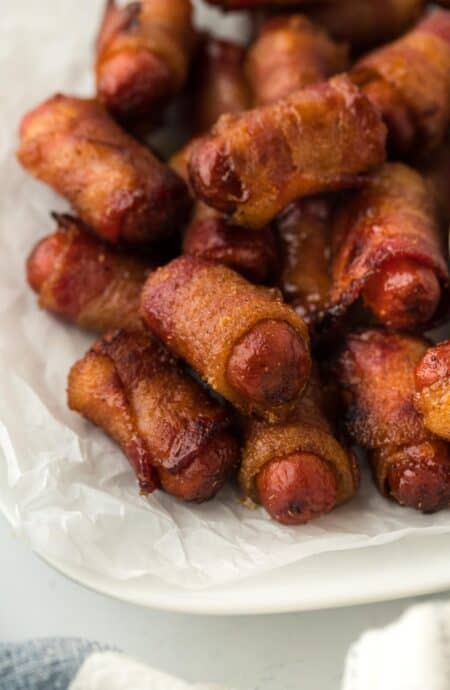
297, 469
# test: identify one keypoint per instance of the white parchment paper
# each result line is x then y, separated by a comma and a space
64, 486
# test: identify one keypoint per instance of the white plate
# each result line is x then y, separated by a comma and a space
71, 494
410, 567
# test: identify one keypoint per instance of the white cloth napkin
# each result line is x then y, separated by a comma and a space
411, 654
113, 671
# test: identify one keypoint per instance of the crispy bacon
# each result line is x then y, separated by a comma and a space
409, 81
86, 281
243, 340
143, 55
297, 469
304, 230
409, 464
116, 186
387, 250
171, 432
432, 398
318, 139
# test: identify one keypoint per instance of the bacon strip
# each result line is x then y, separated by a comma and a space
143, 54
304, 230
409, 81
243, 340
409, 464
391, 218
86, 281
290, 53
297, 469
318, 139
171, 432
432, 398
115, 185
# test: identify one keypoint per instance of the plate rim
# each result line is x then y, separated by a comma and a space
218, 601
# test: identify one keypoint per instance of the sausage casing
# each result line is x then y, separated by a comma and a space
306, 431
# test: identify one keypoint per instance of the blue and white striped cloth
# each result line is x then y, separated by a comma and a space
47, 664
72, 664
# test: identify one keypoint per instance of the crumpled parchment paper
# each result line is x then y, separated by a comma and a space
64, 486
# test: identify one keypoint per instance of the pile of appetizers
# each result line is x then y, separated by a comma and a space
262, 297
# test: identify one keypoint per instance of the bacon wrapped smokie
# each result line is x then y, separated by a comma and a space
86, 281
304, 231
409, 464
318, 139
289, 54
221, 87
172, 433
297, 469
365, 23
432, 398
143, 53
243, 340
387, 251
409, 81
116, 185
220, 84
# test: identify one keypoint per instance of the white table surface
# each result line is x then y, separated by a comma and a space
285, 652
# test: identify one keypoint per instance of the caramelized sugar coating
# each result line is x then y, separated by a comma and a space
318, 139
297, 469
243, 340
115, 185
304, 230
387, 250
432, 398
172, 433
409, 464
85, 280
409, 82
290, 53
143, 55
